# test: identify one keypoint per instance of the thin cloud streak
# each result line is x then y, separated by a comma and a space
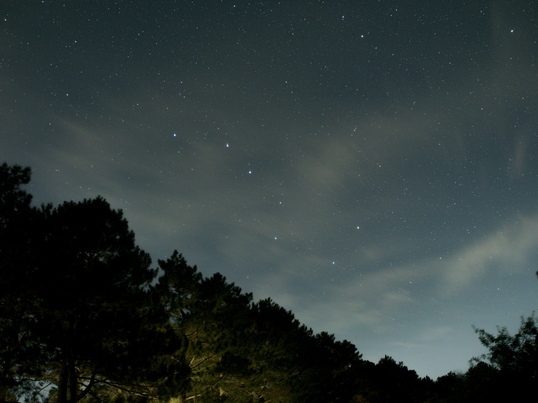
376, 296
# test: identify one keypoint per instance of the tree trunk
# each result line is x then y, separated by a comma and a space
73, 382
62, 384
68, 383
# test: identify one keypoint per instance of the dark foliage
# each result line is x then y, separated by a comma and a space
510, 367
18, 354
84, 317
76, 314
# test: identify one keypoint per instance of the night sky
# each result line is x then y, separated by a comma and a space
371, 166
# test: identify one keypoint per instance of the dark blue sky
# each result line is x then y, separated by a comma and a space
371, 166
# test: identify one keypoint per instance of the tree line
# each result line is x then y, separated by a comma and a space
85, 317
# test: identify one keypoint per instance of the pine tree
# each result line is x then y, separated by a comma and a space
18, 353
79, 314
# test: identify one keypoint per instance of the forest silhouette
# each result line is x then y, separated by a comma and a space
85, 317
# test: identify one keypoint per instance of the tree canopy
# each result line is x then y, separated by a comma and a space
512, 360
76, 304
84, 317
17, 355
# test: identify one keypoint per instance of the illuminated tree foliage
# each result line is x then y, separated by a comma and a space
214, 316
241, 351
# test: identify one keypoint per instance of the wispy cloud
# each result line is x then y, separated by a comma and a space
375, 297
506, 249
